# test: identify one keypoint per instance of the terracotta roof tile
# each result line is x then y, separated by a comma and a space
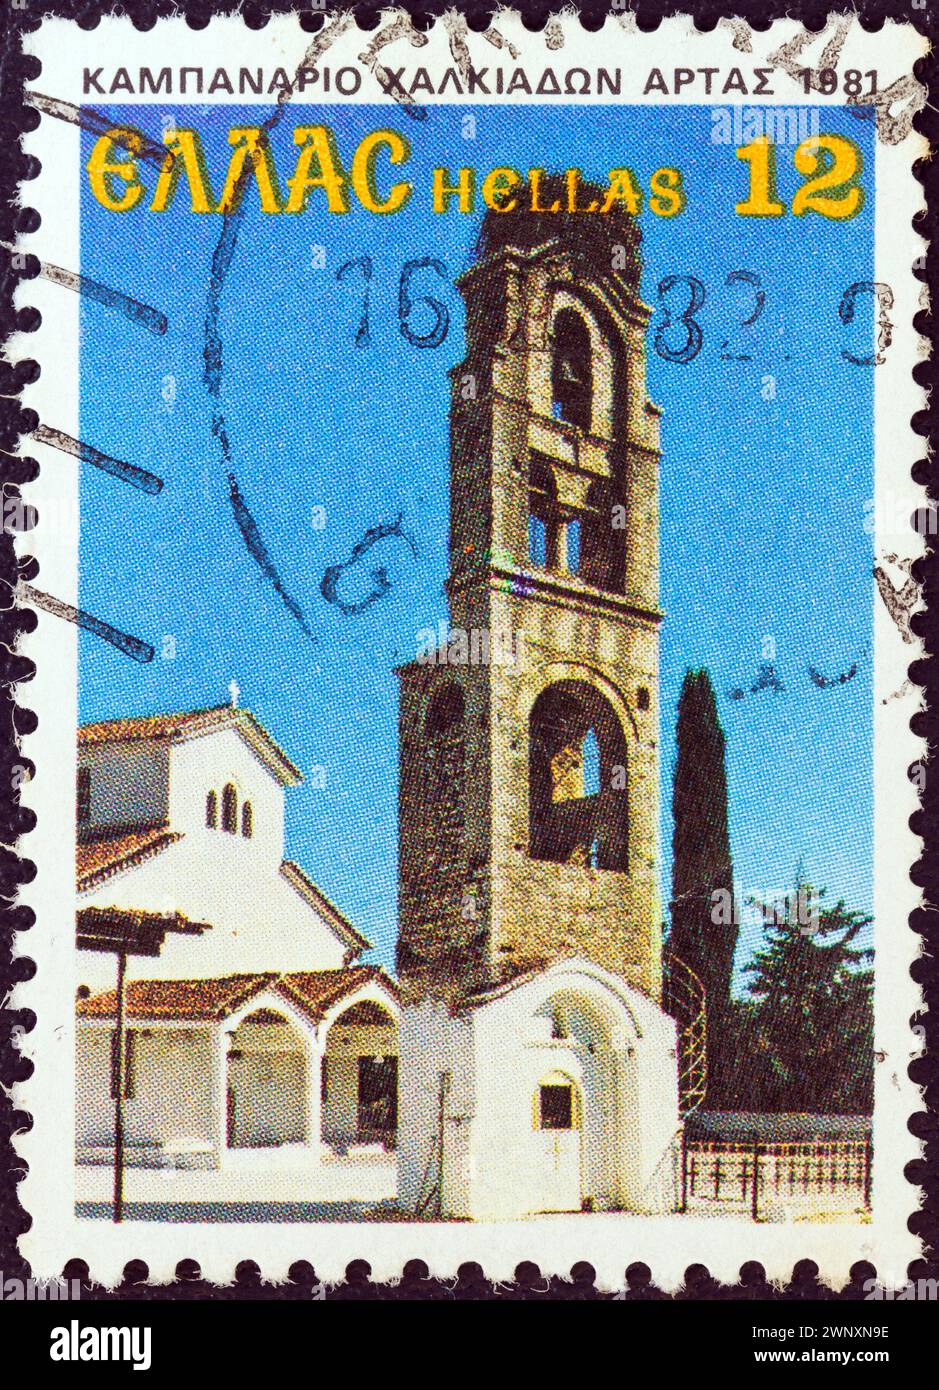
179, 999
314, 992
189, 724
97, 859
148, 726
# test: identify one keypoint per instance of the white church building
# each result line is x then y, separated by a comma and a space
259, 1029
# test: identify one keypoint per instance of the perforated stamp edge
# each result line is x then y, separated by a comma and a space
666, 1244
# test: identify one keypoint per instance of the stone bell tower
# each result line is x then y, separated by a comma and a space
529, 736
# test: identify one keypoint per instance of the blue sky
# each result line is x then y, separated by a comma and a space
766, 468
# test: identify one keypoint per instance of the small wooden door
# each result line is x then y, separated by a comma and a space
559, 1178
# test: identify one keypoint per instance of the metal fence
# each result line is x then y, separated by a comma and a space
754, 1174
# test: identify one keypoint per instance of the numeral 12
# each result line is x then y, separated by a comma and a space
831, 164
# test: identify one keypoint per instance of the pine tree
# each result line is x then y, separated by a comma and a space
704, 929
810, 1023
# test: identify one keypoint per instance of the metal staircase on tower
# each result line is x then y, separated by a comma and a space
684, 997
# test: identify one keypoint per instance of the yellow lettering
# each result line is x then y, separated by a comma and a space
760, 155
317, 144
363, 171
623, 189
103, 169
841, 178
250, 142
668, 193
497, 184
534, 178
186, 152
464, 188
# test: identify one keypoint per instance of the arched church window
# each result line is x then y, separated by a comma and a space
247, 820
578, 810
537, 542
571, 370
211, 810
573, 540
445, 711
230, 810
443, 778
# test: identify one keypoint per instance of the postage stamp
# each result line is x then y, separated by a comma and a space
471, 558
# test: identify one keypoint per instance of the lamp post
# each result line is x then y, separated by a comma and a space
125, 932
120, 1084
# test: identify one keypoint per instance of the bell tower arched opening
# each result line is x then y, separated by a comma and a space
445, 711
578, 805
571, 371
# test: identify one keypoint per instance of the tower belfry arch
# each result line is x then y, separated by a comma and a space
539, 839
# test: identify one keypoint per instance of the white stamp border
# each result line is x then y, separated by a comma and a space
667, 1244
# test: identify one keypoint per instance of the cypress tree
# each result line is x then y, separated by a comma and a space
703, 916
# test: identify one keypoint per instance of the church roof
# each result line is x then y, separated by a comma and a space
524, 971
317, 991
195, 1000
97, 859
301, 881
186, 724
789, 1127
519, 974
313, 992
